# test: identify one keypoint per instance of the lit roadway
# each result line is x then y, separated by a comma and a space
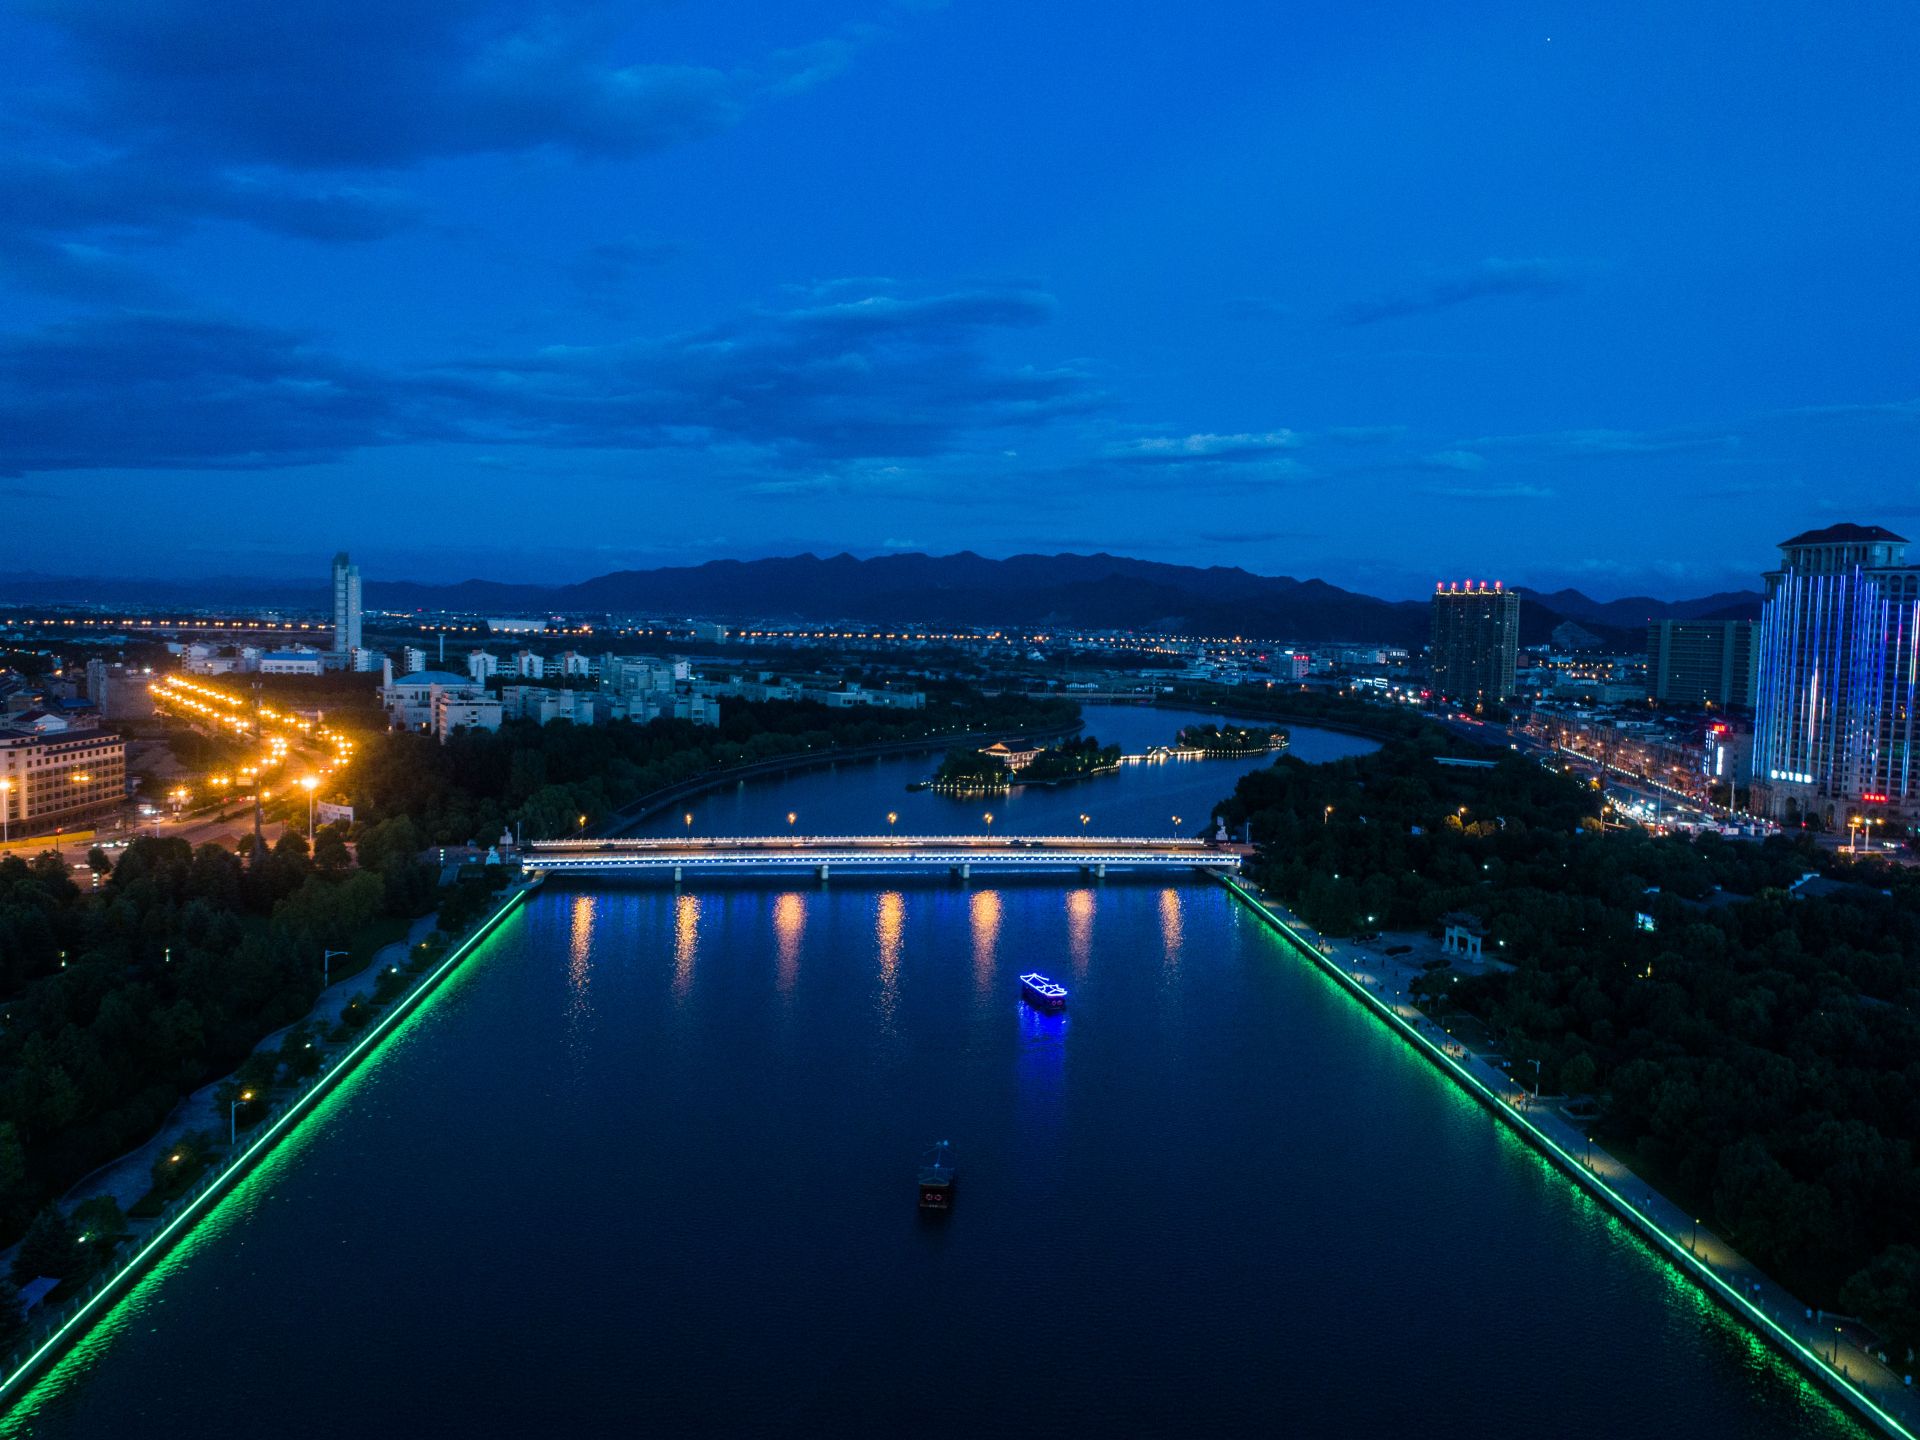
960, 854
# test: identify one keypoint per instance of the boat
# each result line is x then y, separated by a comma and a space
1043, 994
936, 1177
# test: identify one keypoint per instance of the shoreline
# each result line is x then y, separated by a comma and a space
1833, 1380
183, 1214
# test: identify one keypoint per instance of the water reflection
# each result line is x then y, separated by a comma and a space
1171, 930
1080, 929
889, 923
789, 929
579, 958
686, 941
579, 975
983, 913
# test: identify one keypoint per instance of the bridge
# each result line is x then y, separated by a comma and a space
958, 855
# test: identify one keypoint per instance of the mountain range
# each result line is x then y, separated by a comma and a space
1096, 591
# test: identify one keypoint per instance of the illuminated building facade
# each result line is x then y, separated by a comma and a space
346, 605
1476, 635
1702, 662
53, 774
1839, 646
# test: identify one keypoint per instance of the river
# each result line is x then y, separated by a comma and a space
645, 1165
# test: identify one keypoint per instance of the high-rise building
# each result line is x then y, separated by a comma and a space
1839, 643
1476, 635
1702, 662
346, 605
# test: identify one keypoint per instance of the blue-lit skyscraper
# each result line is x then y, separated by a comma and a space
1839, 657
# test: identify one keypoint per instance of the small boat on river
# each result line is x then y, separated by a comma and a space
1043, 994
936, 1177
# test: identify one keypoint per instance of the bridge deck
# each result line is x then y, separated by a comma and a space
878, 852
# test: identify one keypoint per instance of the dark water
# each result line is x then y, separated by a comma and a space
646, 1166
856, 798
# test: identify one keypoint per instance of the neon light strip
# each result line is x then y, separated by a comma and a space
1794, 1348
296, 1108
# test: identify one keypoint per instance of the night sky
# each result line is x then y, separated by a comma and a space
1614, 296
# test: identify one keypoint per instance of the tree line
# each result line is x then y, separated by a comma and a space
1755, 1054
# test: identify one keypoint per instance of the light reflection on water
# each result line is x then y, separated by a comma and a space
686, 942
1080, 908
789, 931
983, 917
889, 924
1172, 933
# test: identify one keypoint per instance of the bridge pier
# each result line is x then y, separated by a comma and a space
676, 874
822, 871
1100, 872
965, 872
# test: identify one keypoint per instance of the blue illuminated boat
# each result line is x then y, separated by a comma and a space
936, 1178
1043, 994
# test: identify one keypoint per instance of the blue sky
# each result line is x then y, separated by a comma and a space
1610, 296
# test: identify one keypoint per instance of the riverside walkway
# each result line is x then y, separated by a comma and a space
956, 854
1828, 1347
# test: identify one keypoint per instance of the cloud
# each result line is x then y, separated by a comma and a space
881, 375
1204, 449
606, 267
294, 119
1465, 460
1489, 279
1255, 537
820, 396
1489, 492
1588, 444
1363, 434
150, 391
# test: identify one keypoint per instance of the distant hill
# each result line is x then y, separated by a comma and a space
1637, 610
1096, 591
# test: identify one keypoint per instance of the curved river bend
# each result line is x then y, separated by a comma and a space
646, 1166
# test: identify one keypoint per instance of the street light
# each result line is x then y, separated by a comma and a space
893, 817
6, 811
988, 817
233, 1112
791, 817
310, 783
326, 966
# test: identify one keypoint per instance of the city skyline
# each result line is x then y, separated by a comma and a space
1581, 301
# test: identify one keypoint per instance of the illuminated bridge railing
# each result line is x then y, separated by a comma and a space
858, 852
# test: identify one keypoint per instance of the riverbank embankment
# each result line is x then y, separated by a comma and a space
52, 1335
1810, 1340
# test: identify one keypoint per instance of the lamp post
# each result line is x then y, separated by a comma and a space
6, 811
326, 966
988, 817
233, 1114
309, 784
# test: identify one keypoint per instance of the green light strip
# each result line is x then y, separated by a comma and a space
1794, 1348
297, 1109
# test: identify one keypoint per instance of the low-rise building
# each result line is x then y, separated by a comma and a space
464, 712
409, 700
54, 773
482, 665
297, 661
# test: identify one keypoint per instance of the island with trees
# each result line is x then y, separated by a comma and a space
1230, 741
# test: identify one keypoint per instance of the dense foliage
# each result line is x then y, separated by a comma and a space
122, 1000
552, 780
1756, 1054
1230, 739
1069, 760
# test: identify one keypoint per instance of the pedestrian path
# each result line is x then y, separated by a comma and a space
1825, 1343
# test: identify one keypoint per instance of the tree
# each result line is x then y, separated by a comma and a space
50, 1247
330, 853
13, 1317
99, 861
100, 1226
1887, 1294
